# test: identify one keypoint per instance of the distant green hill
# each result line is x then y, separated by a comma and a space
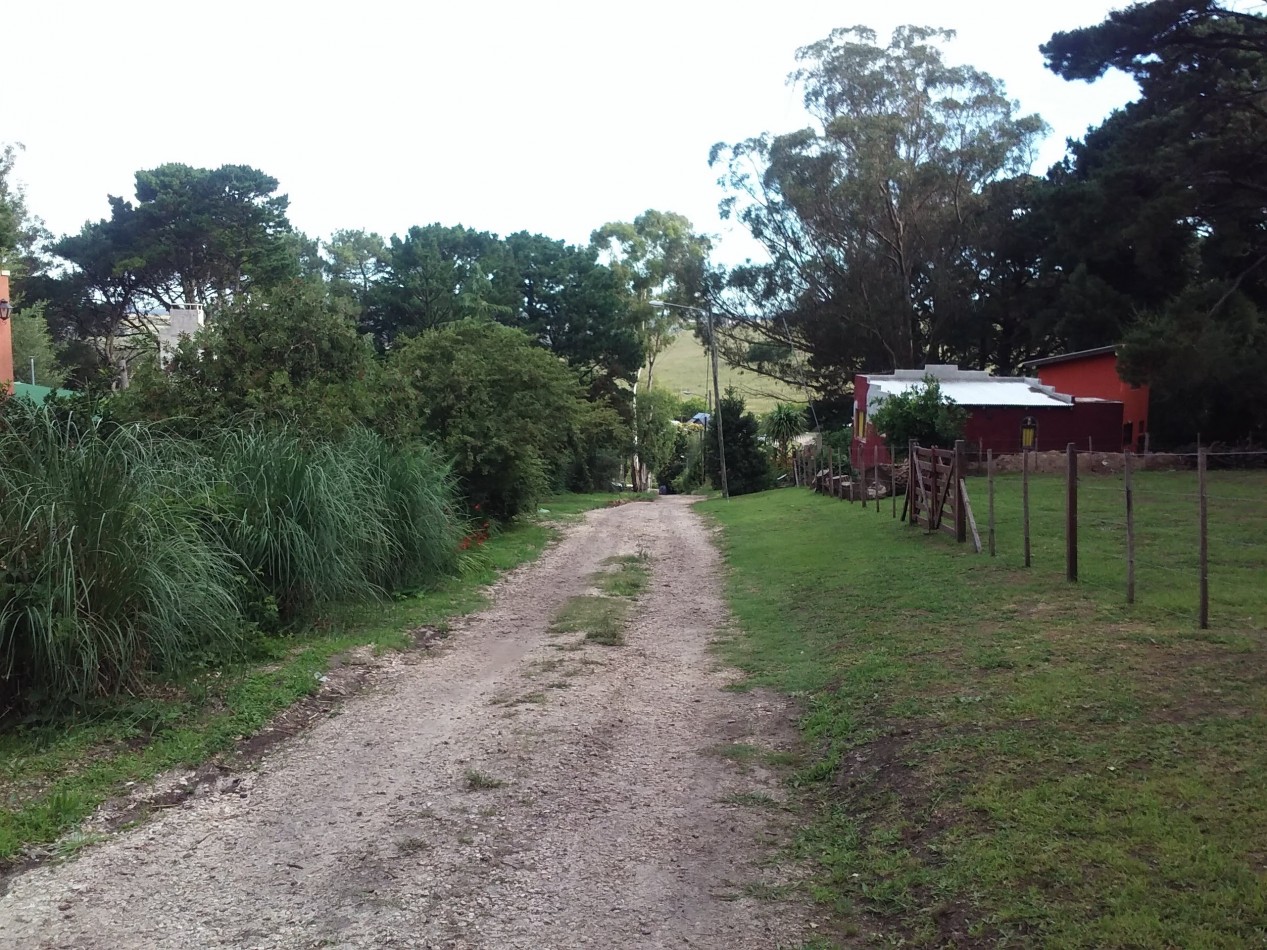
683, 370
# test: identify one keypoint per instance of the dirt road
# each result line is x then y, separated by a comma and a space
513, 789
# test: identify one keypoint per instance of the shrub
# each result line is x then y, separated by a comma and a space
106, 571
922, 413
503, 408
747, 462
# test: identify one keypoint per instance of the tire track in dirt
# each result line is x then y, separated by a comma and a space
516, 790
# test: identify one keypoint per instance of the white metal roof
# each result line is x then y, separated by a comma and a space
968, 387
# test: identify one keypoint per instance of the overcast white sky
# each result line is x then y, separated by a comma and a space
552, 117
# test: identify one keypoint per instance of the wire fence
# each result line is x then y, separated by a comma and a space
1183, 534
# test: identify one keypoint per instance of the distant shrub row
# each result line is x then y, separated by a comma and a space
124, 552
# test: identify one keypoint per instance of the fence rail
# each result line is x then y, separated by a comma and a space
1185, 533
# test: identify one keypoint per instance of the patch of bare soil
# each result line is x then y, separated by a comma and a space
511, 788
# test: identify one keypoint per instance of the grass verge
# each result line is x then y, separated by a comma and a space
600, 619
998, 757
54, 775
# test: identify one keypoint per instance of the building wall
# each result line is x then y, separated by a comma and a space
1093, 424
1096, 376
1096, 425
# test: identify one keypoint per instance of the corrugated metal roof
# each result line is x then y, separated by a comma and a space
984, 391
1065, 357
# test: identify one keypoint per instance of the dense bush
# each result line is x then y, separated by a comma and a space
747, 460
126, 552
506, 411
107, 571
922, 412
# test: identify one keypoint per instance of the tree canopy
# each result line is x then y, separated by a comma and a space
868, 215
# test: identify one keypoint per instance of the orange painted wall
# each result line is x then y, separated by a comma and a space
6, 342
1096, 376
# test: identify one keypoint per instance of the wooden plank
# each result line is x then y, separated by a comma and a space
1071, 513
972, 521
1203, 549
990, 481
1130, 526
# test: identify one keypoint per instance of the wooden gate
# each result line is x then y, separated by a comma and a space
936, 496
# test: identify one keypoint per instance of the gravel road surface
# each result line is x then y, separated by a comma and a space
513, 788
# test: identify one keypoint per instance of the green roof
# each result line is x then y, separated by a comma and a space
37, 394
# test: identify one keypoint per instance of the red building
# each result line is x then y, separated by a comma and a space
1093, 374
1000, 410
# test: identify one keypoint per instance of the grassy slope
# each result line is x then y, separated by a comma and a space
53, 776
1000, 756
683, 370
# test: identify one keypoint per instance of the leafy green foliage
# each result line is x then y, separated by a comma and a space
659, 257
289, 355
784, 423
32, 341
133, 552
504, 409
747, 461
922, 413
868, 213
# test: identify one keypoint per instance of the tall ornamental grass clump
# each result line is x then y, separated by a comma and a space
316, 523
124, 552
106, 571
410, 491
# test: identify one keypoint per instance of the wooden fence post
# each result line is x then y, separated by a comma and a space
1071, 513
1128, 485
933, 496
1025, 500
989, 474
875, 476
1204, 549
961, 509
912, 473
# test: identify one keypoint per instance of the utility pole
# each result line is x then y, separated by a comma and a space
712, 347
721, 438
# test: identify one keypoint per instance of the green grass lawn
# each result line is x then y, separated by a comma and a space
997, 757
53, 775
683, 369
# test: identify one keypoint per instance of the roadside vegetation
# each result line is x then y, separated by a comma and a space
55, 771
994, 756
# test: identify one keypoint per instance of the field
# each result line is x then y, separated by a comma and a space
683, 369
995, 756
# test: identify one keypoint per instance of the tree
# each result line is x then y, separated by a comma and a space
426, 279
747, 462
1160, 219
867, 214
32, 341
565, 300
22, 235
784, 423
193, 236
659, 257
503, 408
284, 356
923, 413
657, 433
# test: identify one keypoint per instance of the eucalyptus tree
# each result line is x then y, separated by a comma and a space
659, 257
867, 214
